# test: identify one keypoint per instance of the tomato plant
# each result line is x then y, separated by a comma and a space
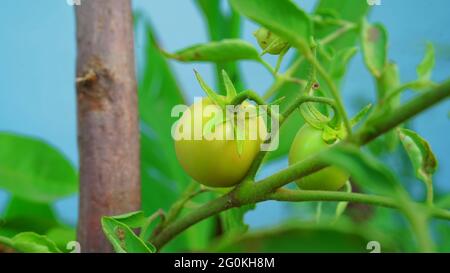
201, 172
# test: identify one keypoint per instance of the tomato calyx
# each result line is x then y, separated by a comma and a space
216, 98
233, 111
332, 128
218, 137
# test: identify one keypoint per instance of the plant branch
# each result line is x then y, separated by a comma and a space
273, 88
430, 193
268, 67
394, 93
378, 126
279, 81
418, 222
213, 207
280, 59
337, 196
268, 188
332, 21
144, 230
108, 120
293, 80
176, 208
303, 195
282, 118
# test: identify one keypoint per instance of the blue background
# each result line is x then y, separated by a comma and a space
37, 71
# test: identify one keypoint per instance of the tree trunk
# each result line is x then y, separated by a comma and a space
108, 128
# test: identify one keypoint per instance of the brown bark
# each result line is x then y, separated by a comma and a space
108, 130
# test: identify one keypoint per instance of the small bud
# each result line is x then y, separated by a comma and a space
270, 42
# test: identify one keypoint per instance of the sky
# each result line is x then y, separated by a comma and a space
37, 71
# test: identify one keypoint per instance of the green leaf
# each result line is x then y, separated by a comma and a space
420, 154
30, 242
218, 51
425, 68
348, 10
361, 114
444, 202
133, 219
331, 135
208, 90
32, 169
387, 83
318, 215
62, 235
313, 116
233, 220
301, 237
366, 170
222, 25
339, 63
28, 216
283, 18
24, 215
229, 87
443, 237
419, 85
277, 101
123, 238
162, 177
374, 44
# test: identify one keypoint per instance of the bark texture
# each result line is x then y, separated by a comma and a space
108, 128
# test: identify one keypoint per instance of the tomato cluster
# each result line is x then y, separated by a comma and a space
224, 162
218, 162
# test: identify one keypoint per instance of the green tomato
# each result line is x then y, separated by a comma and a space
217, 162
309, 142
270, 42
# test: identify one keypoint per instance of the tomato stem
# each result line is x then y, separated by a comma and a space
282, 78
334, 92
268, 67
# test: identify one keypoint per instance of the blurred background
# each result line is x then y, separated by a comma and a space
37, 71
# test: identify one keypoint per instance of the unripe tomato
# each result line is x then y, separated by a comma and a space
270, 42
309, 142
217, 162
